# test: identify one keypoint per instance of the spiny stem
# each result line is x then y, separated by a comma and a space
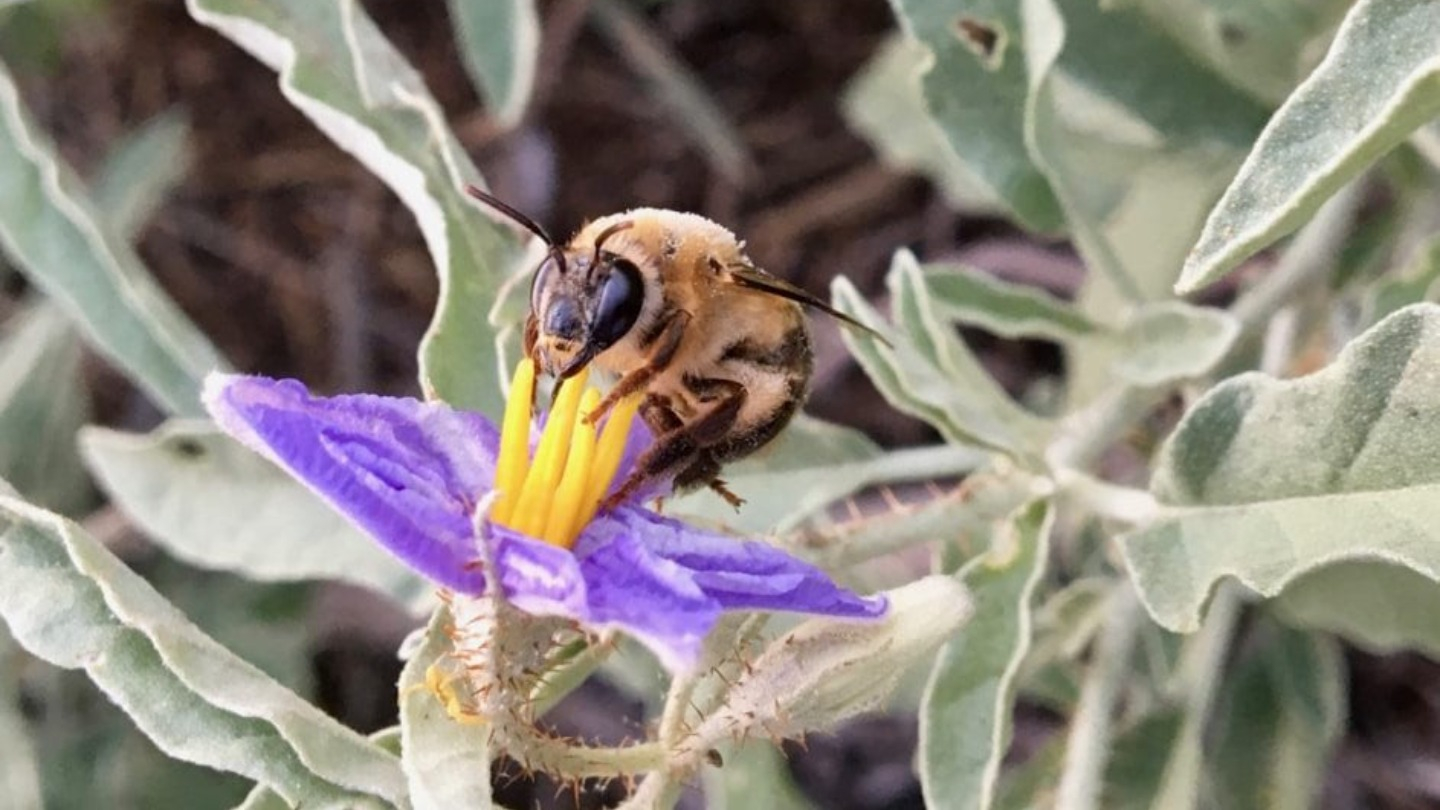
677, 704
541, 752
562, 679
657, 792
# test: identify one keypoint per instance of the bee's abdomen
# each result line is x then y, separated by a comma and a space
775, 377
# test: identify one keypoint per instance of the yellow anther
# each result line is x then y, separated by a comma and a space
555, 494
548, 465
560, 526
608, 453
514, 461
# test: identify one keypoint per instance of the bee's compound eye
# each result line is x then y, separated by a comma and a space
621, 297
538, 284
562, 319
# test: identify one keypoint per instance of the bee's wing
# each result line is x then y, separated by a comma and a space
753, 278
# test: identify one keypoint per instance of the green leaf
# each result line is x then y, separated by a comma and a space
340, 71
1139, 759
447, 763
976, 91
1263, 48
140, 170
965, 715
1135, 156
1169, 341
42, 404
1282, 716
1413, 283
886, 106
676, 88
500, 46
215, 504
1268, 480
958, 523
54, 235
19, 767
263, 798
1064, 626
192, 697
930, 373
1379, 82
753, 773
810, 464
1377, 606
975, 298
1031, 785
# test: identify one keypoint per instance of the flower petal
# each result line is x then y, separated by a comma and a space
407, 472
741, 574
634, 590
538, 578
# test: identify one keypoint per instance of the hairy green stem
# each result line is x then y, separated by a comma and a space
1311, 255
677, 705
566, 676
1088, 747
1196, 682
538, 751
1104, 499
923, 463
657, 792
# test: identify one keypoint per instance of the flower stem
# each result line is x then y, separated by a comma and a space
541, 752
1311, 254
657, 792
1196, 683
1088, 747
565, 676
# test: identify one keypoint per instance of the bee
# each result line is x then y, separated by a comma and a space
669, 304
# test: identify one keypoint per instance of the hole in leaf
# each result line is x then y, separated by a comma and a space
188, 448
1232, 35
985, 39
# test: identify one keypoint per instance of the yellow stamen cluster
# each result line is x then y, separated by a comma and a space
555, 494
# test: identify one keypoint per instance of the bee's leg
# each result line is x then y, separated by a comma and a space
680, 448
666, 343
704, 470
659, 414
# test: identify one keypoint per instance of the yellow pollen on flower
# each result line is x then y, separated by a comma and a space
608, 454
548, 464
576, 476
554, 495
514, 462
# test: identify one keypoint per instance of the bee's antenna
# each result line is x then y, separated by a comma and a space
526, 222
623, 225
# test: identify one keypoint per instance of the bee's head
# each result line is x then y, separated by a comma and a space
582, 301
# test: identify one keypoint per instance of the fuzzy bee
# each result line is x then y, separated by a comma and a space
669, 304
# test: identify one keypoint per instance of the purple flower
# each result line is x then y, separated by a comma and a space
410, 474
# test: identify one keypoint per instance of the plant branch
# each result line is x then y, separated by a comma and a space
1311, 255
1088, 747
1195, 683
